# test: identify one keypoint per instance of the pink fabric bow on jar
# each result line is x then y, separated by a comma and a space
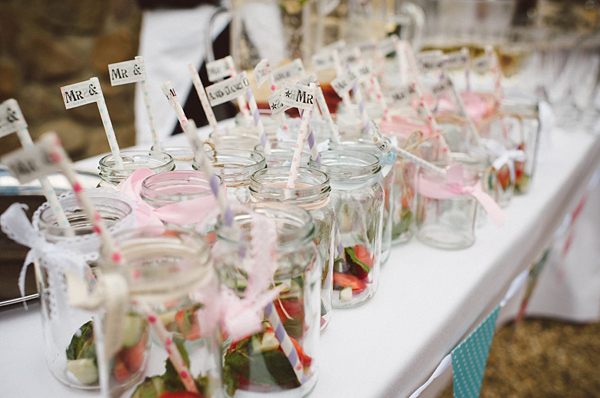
186, 212
455, 186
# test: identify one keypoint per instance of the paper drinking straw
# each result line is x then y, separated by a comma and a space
49, 192
108, 128
335, 135
240, 100
171, 95
206, 166
314, 151
493, 57
174, 355
302, 137
257, 121
408, 156
463, 109
340, 71
208, 111
379, 96
362, 109
465, 51
273, 88
149, 110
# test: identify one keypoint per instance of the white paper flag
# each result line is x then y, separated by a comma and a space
227, 90
323, 61
126, 72
83, 93
457, 60
31, 163
293, 70
261, 72
363, 72
430, 60
402, 95
275, 103
440, 87
11, 118
298, 96
342, 84
482, 64
219, 69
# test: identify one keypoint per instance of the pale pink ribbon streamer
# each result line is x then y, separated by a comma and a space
455, 186
181, 213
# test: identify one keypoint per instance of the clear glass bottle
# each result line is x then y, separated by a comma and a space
257, 363
358, 200
172, 187
132, 160
172, 289
182, 156
448, 223
312, 194
388, 174
235, 167
70, 360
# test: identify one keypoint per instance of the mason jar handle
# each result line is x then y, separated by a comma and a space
210, 54
417, 17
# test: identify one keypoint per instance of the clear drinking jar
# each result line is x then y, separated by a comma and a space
182, 156
312, 194
241, 138
388, 174
68, 334
132, 160
282, 153
448, 223
259, 365
179, 187
172, 290
235, 167
358, 200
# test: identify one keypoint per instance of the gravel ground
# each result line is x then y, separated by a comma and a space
545, 358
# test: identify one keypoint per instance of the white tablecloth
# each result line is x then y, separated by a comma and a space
427, 301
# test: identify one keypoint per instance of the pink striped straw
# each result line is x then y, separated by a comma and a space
208, 111
149, 110
264, 141
493, 57
240, 100
339, 69
171, 95
302, 137
335, 135
379, 96
273, 88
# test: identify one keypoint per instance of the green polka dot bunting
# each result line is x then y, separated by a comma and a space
470, 357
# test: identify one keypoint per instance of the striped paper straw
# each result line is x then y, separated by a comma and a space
49, 192
463, 109
339, 70
240, 100
174, 355
206, 166
208, 111
465, 51
171, 95
493, 56
302, 137
362, 109
257, 121
335, 135
408, 156
273, 88
108, 128
149, 110
379, 96
286, 343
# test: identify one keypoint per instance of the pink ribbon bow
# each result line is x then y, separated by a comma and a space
181, 213
455, 186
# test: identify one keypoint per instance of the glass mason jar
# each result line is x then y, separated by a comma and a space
68, 332
185, 188
182, 156
270, 123
172, 288
358, 199
282, 153
448, 223
240, 138
312, 194
235, 167
132, 160
388, 174
257, 363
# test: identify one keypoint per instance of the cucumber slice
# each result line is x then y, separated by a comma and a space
84, 370
269, 342
346, 294
134, 328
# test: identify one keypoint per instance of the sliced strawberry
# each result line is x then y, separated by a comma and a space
133, 357
293, 307
349, 280
120, 371
190, 332
305, 360
363, 255
180, 394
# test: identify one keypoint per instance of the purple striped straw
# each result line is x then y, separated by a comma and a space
264, 141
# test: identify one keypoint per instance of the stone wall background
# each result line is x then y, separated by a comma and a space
46, 44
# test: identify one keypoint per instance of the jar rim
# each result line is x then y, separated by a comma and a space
301, 195
154, 186
235, 164
356, 167
155, 161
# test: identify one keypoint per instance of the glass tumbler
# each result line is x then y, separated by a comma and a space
132, 160
261, 364
358, 200
172, 288
312, 193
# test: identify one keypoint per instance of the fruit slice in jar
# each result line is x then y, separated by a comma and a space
346, 280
